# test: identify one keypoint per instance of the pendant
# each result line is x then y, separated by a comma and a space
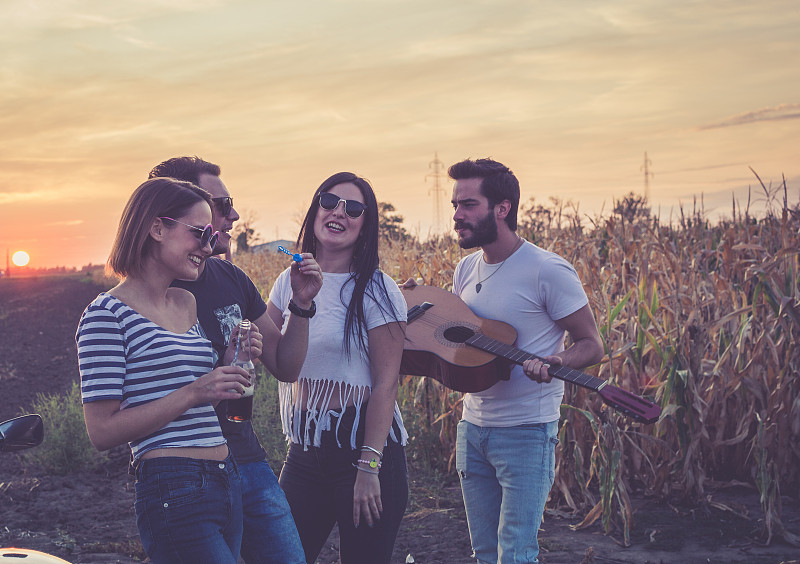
478, 287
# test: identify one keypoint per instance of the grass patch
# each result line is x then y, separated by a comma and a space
66, 447
267, 419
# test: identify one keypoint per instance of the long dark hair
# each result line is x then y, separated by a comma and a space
365, 259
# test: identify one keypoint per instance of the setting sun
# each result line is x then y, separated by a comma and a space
20, 258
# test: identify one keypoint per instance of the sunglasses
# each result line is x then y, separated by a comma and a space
225, 205
352, 208
206, 235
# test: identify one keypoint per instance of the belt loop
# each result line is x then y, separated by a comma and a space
136, 469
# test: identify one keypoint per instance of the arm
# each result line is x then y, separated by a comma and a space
586, 348
284, 354
109, 426
385, 352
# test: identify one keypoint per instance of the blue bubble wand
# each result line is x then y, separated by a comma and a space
295, 257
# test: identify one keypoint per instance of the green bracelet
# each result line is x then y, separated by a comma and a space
367, 470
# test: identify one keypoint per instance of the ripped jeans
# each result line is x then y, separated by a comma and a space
506, 474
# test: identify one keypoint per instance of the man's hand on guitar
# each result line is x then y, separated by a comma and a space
536, 369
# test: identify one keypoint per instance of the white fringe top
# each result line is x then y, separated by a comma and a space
327, 363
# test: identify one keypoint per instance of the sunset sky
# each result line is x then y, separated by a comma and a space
569, 94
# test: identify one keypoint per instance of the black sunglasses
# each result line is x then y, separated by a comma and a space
352, 208
225, 205
206, 234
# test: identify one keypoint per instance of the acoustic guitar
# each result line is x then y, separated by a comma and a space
448, 342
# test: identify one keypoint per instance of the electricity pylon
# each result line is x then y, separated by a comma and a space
647, 174
438, 193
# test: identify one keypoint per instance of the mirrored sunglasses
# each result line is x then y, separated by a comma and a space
225, 205
352, 208
206, 235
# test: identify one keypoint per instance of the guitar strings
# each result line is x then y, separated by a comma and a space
434, 321
431, 314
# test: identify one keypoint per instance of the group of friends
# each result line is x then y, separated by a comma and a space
155, 356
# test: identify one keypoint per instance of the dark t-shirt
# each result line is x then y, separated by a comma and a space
225, 295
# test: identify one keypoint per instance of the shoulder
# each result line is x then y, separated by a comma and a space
383, 288
281, 288
104, 305
283, 278
184, 304
182, 298
221, 267
220, 273
380, 276
382, 280
106, 314
542, 259
470, 260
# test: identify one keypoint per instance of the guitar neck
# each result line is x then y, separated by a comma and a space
518, 356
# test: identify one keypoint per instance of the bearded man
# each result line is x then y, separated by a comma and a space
505, 450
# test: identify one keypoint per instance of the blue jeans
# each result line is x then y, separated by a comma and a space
189, 511
270, 535
506, 475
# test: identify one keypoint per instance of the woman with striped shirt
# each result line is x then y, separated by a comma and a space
148, 379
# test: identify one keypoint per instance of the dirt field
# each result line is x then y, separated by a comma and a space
89, 517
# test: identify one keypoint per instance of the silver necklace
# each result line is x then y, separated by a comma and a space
479, 285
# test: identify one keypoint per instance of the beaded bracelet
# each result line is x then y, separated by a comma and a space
369, 448
367, 470
371, 463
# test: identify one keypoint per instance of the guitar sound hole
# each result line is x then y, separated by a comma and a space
458, 334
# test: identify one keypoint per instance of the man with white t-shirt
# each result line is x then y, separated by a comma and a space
505, 453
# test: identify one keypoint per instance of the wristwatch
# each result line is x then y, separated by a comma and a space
300, 312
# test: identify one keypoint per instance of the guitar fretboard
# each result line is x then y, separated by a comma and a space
518, 356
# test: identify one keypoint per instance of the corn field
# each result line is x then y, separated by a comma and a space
702, 319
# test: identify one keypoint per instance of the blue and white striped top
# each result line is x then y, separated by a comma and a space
126, 357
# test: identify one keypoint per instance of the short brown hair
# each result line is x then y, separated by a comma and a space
157, 197
185, 168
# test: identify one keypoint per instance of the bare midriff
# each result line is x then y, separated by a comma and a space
219, 452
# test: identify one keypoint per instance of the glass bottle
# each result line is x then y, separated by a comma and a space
241, 410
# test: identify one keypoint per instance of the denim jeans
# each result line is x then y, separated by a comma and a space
270, 535
189, 511
319, 486
506, 475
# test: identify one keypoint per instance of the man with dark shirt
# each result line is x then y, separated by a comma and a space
225, 295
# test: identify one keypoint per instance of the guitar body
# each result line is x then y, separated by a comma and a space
466, 353
432, 346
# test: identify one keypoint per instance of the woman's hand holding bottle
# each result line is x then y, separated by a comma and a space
222, 383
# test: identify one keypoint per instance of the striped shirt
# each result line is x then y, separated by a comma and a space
126, 357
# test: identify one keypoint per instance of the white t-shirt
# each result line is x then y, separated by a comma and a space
326, 360
530, 291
